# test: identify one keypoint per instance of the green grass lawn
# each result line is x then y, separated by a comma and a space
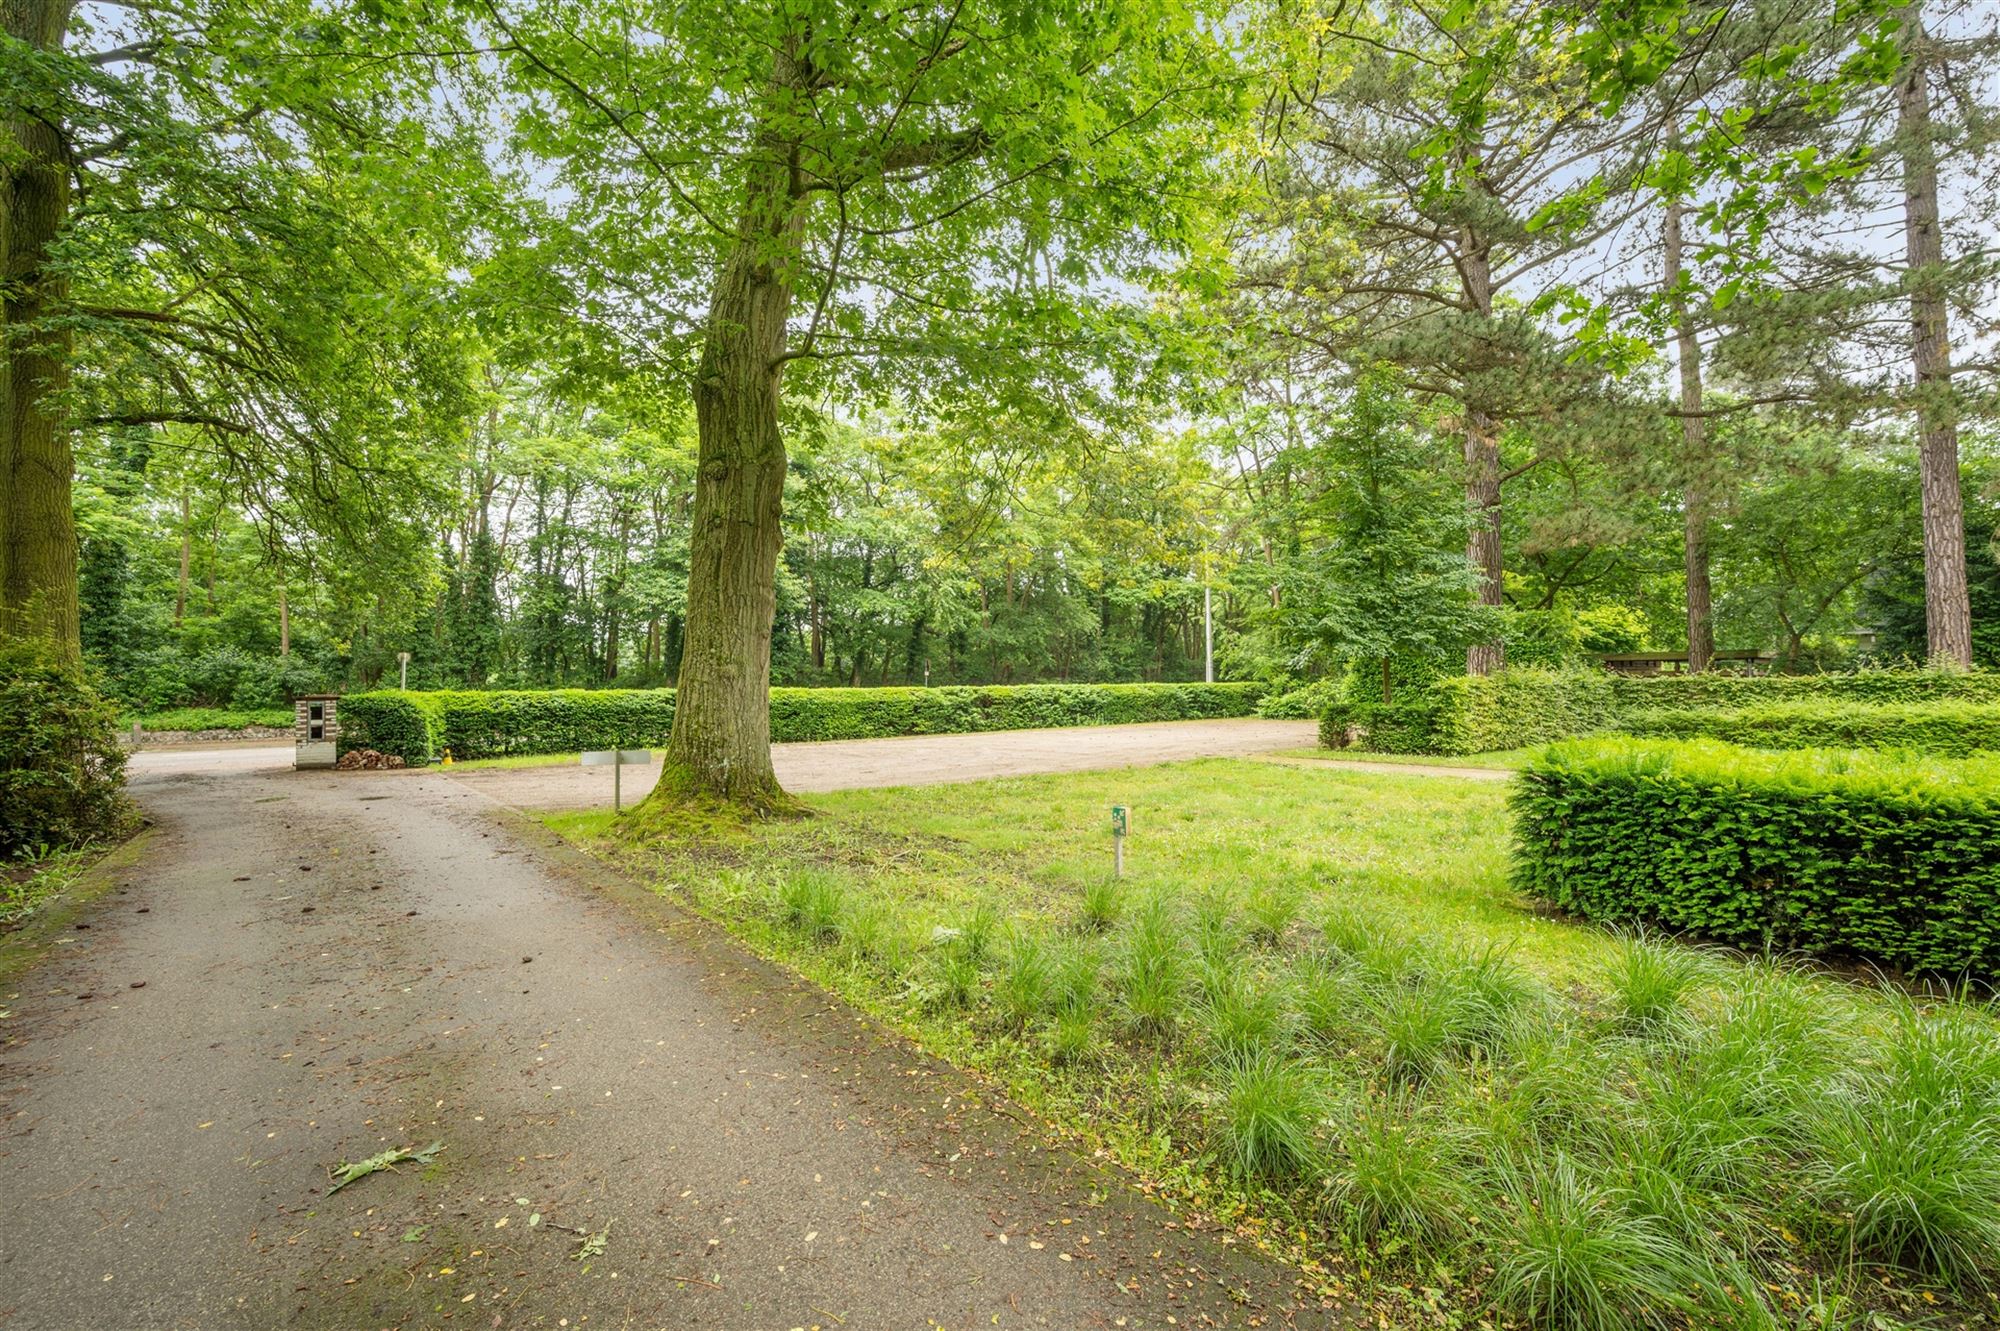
1315, 1011
1502, 760
518, 760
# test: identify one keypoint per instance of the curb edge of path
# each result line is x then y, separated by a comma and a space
25, 946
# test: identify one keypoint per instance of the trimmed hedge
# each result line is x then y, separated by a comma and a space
1892, 859
1480, 713
1930, 710
1717, 691
420, 726
1949, 729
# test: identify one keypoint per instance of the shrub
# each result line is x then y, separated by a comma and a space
61, 767
409, 725
489, 724
1950, 728
212, 718
1306, 702
1893, 859
1722, 692
1461, 714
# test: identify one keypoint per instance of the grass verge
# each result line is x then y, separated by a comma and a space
1505, 760
1315, 1013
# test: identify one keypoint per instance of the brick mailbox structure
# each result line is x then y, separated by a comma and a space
316, 730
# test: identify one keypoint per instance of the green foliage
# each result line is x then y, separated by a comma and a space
1026, 980
1398, 1173
1891, 859
1718, 691
409, 725
1461, 714
1243, 1018
865, 713
212, 718
492, 724
1649, 980
1610, 628
1269, 1126
61, 767
1909, 1147
1951, 729
1306, 702
812, 902
1571, 1251
1384, 576
1152, 975
1593, 1130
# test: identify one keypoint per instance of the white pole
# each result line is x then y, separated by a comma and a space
1207, 635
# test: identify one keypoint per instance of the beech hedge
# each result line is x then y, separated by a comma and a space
1894, 859
419, 727
1951, 729
1462, 714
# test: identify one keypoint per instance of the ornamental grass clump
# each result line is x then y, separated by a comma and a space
1152, 971
811, 901
1024, 987
1908, 1145
1268, 1125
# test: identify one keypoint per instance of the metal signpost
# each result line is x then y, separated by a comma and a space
1120, 816
616, 759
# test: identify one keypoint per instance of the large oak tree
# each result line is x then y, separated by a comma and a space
955, 205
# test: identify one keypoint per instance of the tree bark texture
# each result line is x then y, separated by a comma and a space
721, 743
1947, 604
1482, 467
38, 548
1694, 466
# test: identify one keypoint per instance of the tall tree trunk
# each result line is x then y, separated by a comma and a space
38, 551
1694, 465
721, 743
187, 557
1482, 467
1947, 606
284, 622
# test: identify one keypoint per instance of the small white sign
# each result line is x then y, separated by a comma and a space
621, 757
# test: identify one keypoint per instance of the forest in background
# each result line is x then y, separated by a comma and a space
553, 551
999, 343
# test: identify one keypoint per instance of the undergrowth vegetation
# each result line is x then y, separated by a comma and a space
1446, 1114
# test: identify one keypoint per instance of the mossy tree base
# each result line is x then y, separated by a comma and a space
683, 808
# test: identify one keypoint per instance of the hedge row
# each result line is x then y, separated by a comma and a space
1935, 711
1463, 714
1949, 729
1892, 859
1728, 692
421, 726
